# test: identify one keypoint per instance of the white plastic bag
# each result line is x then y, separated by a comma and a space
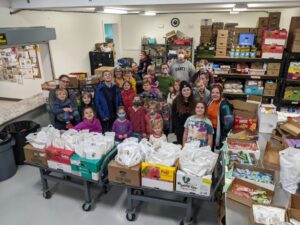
197, 161
129, 154
146, 148
166, 155
290, 169
44, 137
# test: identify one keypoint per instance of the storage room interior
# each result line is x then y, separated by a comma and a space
71, 31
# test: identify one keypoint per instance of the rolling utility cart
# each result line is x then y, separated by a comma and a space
171, 198
82, 183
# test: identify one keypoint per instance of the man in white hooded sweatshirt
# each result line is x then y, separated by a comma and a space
182, 69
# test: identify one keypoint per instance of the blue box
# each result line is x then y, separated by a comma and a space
253, 90
246, 39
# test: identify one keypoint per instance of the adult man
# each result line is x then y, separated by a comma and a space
107, 99
182, 69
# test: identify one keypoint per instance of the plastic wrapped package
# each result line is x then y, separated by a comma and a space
198, 161
146, 148
70, 139
289, 169
268, 215
166, 155
129, 154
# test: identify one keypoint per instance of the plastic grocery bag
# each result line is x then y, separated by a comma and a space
198, 161
166, 155
290, 169
70, 139
129, 153
146, 148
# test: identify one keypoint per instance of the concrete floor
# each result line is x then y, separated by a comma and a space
21, 203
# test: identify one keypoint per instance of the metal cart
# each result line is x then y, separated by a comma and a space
178, 199
82, 183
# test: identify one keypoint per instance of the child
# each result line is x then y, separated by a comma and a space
64, 109
198, 128
127, 94
151, 116
165, 111
128, 76
201, 93
147, 94
165, 80
150, 76
158, 137
173, 92
90, 122
122, 127
86, 101
118, 77
136, 114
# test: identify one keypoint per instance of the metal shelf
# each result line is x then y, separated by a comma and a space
293, 82
243, 95
229, 59
247, 76
153, 45
290, 102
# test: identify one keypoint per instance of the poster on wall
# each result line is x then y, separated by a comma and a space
18, 63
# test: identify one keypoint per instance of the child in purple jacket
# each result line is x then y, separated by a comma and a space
122, 127
90, 122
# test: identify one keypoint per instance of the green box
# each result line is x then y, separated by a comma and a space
92, 164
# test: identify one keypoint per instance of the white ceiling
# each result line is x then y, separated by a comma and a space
158, 6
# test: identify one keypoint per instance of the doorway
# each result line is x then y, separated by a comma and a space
111, 35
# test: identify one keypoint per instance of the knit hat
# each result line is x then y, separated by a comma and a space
184, 84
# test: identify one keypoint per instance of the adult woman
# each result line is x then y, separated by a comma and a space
118, 76
183, 107
220, 112
145, 61
64, 82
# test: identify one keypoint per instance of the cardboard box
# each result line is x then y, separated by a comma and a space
239, 30
74, 82
93, 80
35, 156
252, 220
99, 71
59, 155
274, 37
222, 34
123, 174
244, 147
272, 72
271, 156
204, 40
257, 169
253, 90
221, 52
294, 202
291, 127
272, 51
221, 43
193, 184
206, 22
252, 31
171, 35
159, 176
206, 31
292, 93
59, 166
274, 66
269, 85
246, 39
269, 93
263, 22
245, 109
244, 201
293, 214
268, 118
294, 41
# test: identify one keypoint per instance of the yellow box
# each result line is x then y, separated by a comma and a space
159, 172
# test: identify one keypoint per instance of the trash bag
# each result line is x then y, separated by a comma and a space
289, 169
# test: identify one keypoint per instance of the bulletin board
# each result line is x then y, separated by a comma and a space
18, 63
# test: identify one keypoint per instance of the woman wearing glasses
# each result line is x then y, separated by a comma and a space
64, 82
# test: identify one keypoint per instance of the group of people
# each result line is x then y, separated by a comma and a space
139, 102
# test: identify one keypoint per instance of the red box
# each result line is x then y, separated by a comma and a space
277, 37
272, 51
182, 42
244, 124
59, 155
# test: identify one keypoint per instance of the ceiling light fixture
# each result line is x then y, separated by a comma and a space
149, 13
114, 11
234, 12
240, 7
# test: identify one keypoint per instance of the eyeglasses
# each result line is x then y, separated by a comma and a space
65, 81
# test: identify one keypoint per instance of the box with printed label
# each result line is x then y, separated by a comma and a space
158, 176
267, 117
246, 39
263, 21
269, 85
269, 93
59, 166
253, 90
123, 174
88, 168
221, 43
221, 52
193, 184
222, 34
274, 37
272, 51
35, 156
59, 154
292, 93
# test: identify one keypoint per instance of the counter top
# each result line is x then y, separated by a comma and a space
12, 111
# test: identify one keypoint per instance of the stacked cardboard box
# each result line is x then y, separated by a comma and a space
59, 158
263, 23
274, 20
231, 33
221, 47
294, 25
206, 34
270, 88
35, 156
294, 41
215, 27
273, 69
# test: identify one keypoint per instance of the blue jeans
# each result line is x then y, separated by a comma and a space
75, 114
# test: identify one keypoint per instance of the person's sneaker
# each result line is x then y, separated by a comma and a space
69, 125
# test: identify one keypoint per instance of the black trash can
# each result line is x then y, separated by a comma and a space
8, 166
19, 130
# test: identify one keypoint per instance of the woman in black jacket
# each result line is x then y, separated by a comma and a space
145, 61
183, 107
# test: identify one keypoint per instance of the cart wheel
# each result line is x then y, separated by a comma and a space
47, 194
86, 206
138, 192
105, 189
130, 216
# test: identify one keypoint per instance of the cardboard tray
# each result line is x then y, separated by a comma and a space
294, 202
271, 157
244, 201
293, 214
252, 222
256, 152
291, 127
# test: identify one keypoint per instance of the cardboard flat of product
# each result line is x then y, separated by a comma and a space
244, 201
222, 34
271, 72
291, 127
123, 174
35, 155
252, 220
271, 157
294, 202
245, 109
99, 71
59, 166
257, 169
274, 66
293, 214
256, 152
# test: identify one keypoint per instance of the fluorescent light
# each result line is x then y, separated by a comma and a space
114, 11
234, 12
240, 7
149, 13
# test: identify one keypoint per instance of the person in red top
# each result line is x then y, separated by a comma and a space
151, 116
136, 114
127, 94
